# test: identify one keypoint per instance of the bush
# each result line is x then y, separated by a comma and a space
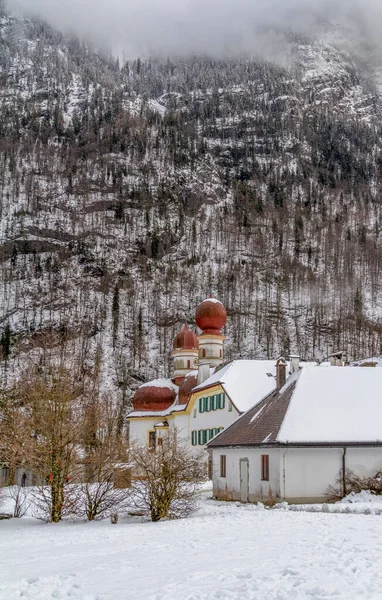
101, 500
354, 483
166, 479
21, 498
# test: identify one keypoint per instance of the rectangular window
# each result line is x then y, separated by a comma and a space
265, 467
229, 406
218, 401
205, 436
194, 413
152, 440
160, 441
201, 405
211, 433
223, 465
200, 442
222, 401
206, 404
213, 403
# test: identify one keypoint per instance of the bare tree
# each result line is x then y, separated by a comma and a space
104, 448
22, 500
166, 479
52, 401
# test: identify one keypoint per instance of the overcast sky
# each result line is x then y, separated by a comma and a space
141, 27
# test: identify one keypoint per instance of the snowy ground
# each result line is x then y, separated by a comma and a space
225, 551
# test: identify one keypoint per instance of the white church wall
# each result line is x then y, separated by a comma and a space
211, 420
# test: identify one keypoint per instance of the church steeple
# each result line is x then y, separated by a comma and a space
211, 317
185, 354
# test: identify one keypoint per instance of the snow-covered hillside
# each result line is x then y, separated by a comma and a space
130, 192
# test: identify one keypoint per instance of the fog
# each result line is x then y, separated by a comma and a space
218, 27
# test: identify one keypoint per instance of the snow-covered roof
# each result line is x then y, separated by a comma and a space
245, 381
340, 404
161, 383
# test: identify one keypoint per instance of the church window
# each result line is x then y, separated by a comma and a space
152, 440
221, 353
188, 364
223, 465
204, 353
265, 467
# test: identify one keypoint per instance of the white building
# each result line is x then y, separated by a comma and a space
302, 438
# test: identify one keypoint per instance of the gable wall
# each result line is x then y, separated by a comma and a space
211, 419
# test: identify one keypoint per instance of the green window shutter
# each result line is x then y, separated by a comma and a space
213, 402
205, 436
206, 404
222, 405
201, 405
200, 437
212, 433
194, 438
218, 400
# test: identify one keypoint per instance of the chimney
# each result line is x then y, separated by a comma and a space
294, 360
203, 373
280, 372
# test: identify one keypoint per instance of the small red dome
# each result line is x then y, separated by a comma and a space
189, 382
211, 316
155, 395
186, 340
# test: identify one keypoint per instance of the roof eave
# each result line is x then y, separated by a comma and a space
375, 444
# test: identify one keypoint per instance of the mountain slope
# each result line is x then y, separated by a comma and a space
129, 194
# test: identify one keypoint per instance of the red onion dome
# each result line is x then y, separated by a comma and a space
186, 340
211, 316
185, 389
155, 395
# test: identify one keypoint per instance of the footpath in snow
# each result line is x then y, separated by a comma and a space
225, 551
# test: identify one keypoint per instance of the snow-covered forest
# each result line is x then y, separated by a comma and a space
130, 192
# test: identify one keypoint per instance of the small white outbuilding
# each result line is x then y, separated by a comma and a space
302, 438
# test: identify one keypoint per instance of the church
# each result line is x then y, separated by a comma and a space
204, 395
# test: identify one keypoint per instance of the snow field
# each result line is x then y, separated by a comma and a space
224, 552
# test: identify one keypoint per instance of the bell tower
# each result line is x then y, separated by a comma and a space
185, 354
211, 317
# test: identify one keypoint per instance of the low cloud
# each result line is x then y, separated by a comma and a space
218, 27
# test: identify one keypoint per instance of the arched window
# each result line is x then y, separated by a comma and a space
204, 353
221, 353
188, 364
